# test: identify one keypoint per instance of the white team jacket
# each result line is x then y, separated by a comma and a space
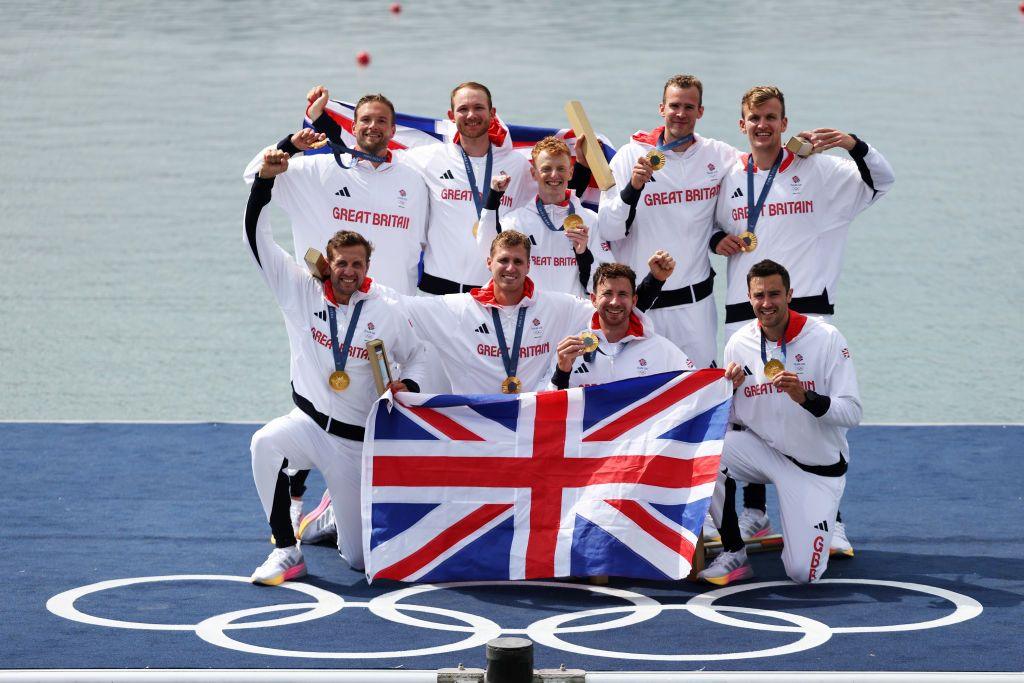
641, 352
387, 205
461, 329
676, 209
819, 355
804, 220
451, 250
304, 302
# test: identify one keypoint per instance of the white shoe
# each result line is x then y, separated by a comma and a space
728, 567
840, 546
318, 525
754, 524
283, 564
710, 531
295, 512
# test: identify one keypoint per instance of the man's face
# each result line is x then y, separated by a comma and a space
764, 125
552, 170
373, 127
614, 300
348, 269
509, 266
681, 109
770, 300
471, 113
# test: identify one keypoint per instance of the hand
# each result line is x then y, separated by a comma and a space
730, 245
581, 151
661, 264
569, 349
275, 162
642, 172
579, 238
827, 138
317, 99
395, 387
734, 373
306, 138
789, 383
500, 182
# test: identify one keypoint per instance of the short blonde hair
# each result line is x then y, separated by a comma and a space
760, 94
510, 238
684, 81
552, 146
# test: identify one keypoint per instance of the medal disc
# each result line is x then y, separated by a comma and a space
657, 159
573, 223
773, 368
590, 341
476, 228
318, 145
339, 380
749, 241
511, 385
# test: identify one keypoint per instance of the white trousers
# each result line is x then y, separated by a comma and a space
808, 503
296, 437
691, 327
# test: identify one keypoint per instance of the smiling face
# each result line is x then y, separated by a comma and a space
764, 125
552, 172
509, 267
348, 270
614, 300
681, 109
472, 112
770, 300
373, 127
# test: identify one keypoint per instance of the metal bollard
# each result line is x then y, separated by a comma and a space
509, 660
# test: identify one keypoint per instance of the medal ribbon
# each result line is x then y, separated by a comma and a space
669, 146
511, 364
754, 210
764, 351
547, 219
590, 356
478, 197
339, 148
341, 355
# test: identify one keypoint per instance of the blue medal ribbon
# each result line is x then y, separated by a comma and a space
547, 219
339, 148
511, 363
478, 197
764, 350
754, 210
669, 146
341, 355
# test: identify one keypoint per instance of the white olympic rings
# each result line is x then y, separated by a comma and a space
545, 631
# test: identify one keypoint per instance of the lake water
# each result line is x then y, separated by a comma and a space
126, 292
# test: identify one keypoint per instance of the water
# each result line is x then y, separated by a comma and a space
125, 290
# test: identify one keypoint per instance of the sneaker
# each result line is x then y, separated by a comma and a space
318, 525
710, 531
841, 546
754, 524
728, 567
283, 564
295, 512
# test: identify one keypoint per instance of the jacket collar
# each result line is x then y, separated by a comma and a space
364, 289
485, 295
793, 328
635, 331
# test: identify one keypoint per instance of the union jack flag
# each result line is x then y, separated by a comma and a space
413, 131
610, 479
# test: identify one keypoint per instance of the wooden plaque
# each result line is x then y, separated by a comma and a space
317, 264
595, 157
379, 364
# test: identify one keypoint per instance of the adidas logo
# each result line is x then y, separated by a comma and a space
652, 180
533, 241
746, 371
322, 315
581, 369
343, 192
822, 526
448, 175
737, 193
483, 329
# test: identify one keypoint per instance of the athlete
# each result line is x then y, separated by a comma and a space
627, 344
799, 211
328, 325
561, 257
671, 208
362, 190
796, 396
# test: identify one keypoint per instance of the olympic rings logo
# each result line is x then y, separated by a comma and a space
479, 630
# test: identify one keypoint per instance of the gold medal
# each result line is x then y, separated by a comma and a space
511, 385
749, 241
476, 228
573, 223
773, 368
590, 341
657, 159
318, 145
339, 380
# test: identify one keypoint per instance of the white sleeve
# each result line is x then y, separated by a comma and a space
844, 408
409, 350
488, 229
286, 279
852, 185
613, 212
431, 317
287, 185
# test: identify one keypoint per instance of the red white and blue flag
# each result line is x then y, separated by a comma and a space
414, 131
612, 479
